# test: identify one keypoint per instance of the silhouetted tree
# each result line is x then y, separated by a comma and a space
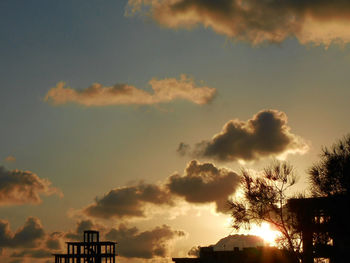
330, 176
265, 200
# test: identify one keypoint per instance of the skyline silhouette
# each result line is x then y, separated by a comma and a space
135, 118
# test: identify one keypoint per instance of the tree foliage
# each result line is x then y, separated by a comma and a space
265, 200
330, 176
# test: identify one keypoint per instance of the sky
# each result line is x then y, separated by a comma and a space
136, 117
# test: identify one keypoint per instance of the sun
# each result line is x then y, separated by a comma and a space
266, 233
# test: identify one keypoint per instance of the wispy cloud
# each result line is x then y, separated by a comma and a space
164, 90
256, 21
265, 134
23, 187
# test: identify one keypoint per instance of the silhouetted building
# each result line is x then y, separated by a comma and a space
324, 224
246, 255
91, 250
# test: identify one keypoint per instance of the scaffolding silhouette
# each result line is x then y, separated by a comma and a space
92, 250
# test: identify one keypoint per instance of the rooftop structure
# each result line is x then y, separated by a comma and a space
324, 225
246, 255
91, 250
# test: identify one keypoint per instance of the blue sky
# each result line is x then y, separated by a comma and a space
87, 151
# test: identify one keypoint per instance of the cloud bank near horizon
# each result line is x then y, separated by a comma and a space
27, 236
319, 22
164, 91
266, 134
31, 243
147, 244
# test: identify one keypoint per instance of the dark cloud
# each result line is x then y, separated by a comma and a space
128, 201
32, 253
30, 233
164, 90
148, 244
83, 225
257, 21
183, 149
27, 236
266, 134
22, 187
54, 241
204, 183
5, 234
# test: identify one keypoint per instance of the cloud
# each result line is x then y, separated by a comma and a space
54, 241
265, 134
30, 242
23, 187
204, 183
83, 225
10, 159
201, 183
164, 90
27, 236
148, 244
183, 148
33, 253
128, 201
256, 21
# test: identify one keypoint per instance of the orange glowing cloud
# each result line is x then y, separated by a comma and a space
23, 187
10, 159
255, 21
164, 90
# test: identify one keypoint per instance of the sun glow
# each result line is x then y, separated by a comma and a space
265, 232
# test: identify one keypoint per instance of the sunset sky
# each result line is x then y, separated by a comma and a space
136, 117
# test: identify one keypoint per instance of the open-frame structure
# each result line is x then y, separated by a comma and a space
91, 250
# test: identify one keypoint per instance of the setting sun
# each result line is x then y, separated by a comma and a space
159, 131
265, 232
